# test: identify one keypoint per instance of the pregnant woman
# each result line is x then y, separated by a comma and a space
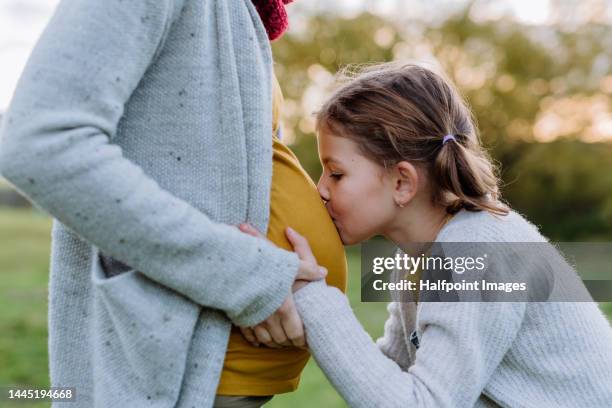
251, 374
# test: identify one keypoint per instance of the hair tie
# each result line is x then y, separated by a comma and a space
447, 138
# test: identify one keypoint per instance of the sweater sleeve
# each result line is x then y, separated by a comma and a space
461, 345
393, 342
56, 148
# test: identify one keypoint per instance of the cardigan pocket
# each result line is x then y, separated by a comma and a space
140, 336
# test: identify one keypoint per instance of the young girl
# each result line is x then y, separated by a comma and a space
401, 156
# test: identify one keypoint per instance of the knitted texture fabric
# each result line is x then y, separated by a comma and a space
508, 354
144, 129
273, 15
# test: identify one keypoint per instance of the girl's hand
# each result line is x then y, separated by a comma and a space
284, 327
302, 249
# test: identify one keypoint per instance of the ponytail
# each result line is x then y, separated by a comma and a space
466, 178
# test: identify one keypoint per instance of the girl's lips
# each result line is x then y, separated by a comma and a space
332, 215
330, 211
336, 223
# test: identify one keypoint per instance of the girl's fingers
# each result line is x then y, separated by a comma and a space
300, 245
309, 269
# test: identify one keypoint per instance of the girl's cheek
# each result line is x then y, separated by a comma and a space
340, 207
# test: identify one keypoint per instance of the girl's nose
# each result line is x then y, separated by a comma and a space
322, 188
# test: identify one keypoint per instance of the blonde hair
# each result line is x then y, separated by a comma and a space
402, 112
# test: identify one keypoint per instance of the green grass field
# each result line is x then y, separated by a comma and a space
24, 265
24, 258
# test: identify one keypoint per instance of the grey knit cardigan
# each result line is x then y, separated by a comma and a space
144, 128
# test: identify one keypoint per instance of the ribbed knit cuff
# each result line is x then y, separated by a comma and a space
317, 298
272, 288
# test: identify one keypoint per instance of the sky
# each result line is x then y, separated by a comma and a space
22, 22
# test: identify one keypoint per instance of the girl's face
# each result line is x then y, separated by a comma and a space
358, 192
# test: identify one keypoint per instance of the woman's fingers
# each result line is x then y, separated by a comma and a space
286, 329
294, 327
277, 332
249, 335
263, 336
251, 230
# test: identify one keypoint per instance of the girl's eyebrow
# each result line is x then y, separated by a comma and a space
328, 160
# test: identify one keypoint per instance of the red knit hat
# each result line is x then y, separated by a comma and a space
273, 15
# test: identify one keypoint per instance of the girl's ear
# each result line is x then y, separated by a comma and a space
406, 182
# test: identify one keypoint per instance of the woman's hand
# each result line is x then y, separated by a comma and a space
284, 327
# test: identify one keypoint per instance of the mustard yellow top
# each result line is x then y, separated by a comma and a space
294, 202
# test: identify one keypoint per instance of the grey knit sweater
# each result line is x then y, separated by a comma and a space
144, 128
512, 354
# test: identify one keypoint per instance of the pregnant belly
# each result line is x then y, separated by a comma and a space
294, 202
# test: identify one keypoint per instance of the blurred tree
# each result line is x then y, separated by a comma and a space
526, 85
565, 187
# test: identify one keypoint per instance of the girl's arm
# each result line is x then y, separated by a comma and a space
461, 344
393, 343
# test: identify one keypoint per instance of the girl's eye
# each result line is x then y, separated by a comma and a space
336, 176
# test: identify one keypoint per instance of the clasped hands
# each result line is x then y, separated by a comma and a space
284, 327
